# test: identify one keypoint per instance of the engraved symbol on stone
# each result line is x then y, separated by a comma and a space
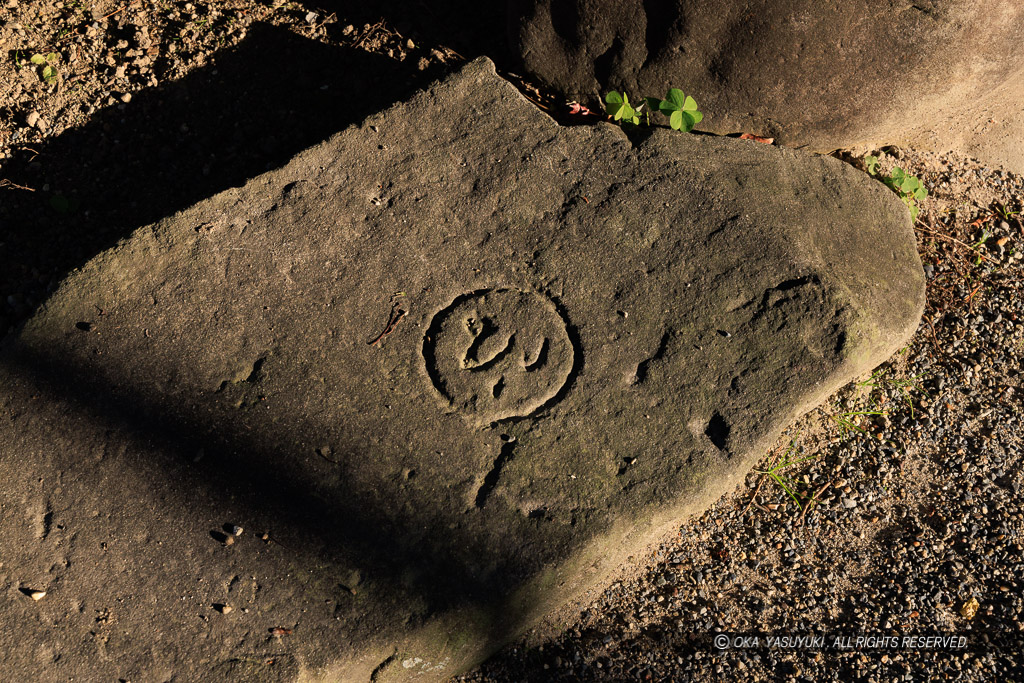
499, 353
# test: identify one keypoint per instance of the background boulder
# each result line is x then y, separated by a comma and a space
939, 74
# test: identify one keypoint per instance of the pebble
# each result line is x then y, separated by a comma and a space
970, 608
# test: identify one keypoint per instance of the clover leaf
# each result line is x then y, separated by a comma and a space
618, 107
681, 110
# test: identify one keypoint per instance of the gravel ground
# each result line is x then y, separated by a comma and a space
906, 512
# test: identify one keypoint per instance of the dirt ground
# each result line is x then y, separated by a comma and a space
115, 113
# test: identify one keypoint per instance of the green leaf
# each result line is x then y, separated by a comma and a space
52, 57
689, 104
38, 59
676, 120
615, 104
676, 97
688, 121
697, 116
628, 112
60, 203
872, 164
653, 103
49, 73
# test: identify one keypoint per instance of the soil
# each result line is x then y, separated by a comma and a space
114, 114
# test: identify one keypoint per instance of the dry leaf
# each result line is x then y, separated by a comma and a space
577, 108
757, 138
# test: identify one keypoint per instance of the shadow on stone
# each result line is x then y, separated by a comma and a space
250, 110
194, 470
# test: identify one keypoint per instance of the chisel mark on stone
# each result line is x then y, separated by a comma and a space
491, 478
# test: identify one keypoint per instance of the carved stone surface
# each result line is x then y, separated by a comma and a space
447, 370
499, 353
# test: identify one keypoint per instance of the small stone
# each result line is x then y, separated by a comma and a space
237, 530
119, 72
409, 44
126, 98
311, 17
347, 31
229, 540
849, 503
969, 608
37, 595
223, 609
33, 118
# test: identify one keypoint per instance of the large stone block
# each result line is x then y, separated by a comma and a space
448, 370
941, 74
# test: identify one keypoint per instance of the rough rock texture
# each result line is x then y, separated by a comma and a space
937, 73
446, 370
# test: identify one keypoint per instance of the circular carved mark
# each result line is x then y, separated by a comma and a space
499, 353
